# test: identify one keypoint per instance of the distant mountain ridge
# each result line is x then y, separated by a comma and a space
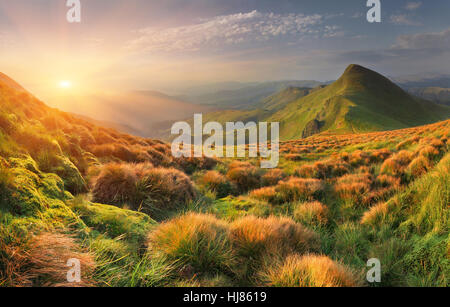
436, 94
360, 100
247, 97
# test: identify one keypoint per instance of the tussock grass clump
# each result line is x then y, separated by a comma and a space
217, 183
293, 157
292, 190
268, 194
397, 163
272, 177
115, 184
164, 188
263, 238
6, 123
306, 171
429, 152
408, 142
35, 142
42, 262
195, 243
245, 176
142, 187
386, 181
418, 167
192, 164
298, 189
311, 213
310, 271
323, 169
353, 186
376, 214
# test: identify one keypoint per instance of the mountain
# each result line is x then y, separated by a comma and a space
360, 100
281, 99
249, 96
436, 94
265, 108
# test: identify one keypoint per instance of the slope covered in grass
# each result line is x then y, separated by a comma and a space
136, 216
360, 100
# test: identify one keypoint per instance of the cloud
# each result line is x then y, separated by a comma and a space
411, 6
433, 40
404, 20
409, 48
241, 28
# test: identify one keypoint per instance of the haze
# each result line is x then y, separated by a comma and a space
173, 45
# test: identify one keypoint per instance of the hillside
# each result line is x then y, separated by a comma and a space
264, 108
247, 97
135, 216
360, 100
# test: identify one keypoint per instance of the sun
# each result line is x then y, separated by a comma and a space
65, 84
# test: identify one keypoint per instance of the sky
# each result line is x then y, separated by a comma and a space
172, 45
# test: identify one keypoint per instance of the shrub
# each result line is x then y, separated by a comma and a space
310, 271
311, 213
196, 241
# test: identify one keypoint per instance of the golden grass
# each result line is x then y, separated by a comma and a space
273, 236
44, 262
311, 212
310, 271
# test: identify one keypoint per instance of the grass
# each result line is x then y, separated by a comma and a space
136, 216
